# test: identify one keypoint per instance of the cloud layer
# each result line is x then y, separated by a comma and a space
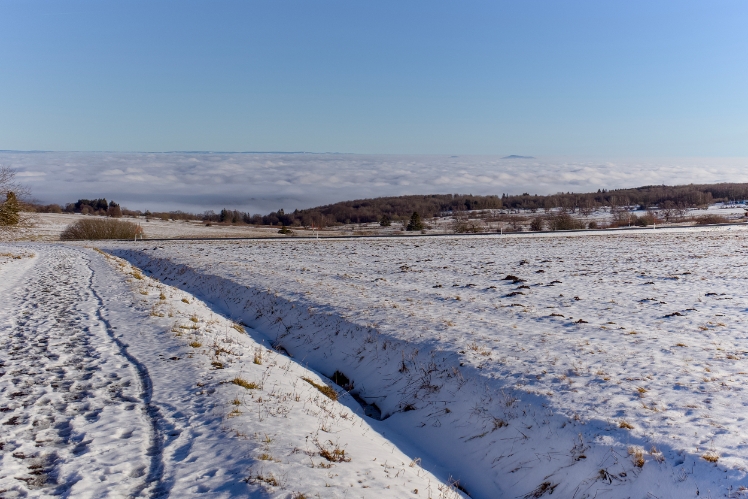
259, 183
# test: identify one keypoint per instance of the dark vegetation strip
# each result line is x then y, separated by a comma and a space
398, 208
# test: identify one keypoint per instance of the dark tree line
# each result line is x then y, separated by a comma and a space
385, 210
100, 207
652, 196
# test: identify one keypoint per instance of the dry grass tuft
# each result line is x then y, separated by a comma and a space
326, 390
656, 455
332, 452
195, 344
623, 424
17, 256
268, 479
499, 423
712, 457
637, 456
541, 490
249, 385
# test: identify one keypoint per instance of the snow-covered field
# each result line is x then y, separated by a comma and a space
49, 226
611, 365
580, 365
115, 385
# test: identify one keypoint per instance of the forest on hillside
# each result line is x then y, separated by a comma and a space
400, 208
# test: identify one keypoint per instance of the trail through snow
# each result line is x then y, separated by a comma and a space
91, 398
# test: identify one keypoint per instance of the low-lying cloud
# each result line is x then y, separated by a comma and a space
260, 183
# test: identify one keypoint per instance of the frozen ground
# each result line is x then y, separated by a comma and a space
115, 385
612, 365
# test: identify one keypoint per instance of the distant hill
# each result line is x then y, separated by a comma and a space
434, 205
514, 156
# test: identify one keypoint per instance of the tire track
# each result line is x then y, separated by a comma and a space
155, 449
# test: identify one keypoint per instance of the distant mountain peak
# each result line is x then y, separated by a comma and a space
515, 156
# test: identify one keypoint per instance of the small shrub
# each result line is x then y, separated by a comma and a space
711, 219
564, 221
95, 229
537, 224
645, 220
592, 225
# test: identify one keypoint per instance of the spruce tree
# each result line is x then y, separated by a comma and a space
10, 211
415, 222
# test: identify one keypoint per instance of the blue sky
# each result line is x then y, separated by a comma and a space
617, 79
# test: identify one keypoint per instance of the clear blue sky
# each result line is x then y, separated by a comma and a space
624, 78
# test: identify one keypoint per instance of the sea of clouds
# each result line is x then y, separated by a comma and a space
263, 182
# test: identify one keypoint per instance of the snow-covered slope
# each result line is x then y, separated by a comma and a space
606, 366
115, 385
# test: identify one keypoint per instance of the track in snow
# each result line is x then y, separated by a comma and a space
76, 415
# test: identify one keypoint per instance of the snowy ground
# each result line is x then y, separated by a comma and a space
115, 385
611, 365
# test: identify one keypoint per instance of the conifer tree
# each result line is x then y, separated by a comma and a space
415, 222
10, 210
